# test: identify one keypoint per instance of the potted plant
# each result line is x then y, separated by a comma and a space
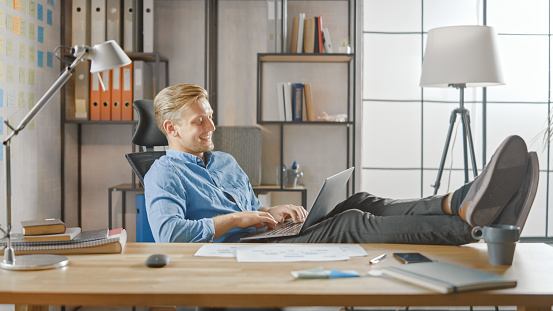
344, 46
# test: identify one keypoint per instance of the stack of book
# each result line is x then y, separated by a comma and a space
295, 102
309, 36
50, 236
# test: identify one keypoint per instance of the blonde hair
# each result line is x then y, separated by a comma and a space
173, 100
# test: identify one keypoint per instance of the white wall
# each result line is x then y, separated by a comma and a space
24, 78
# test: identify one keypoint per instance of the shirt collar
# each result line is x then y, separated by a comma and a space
187, 157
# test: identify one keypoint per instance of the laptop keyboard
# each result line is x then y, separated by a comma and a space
290, 227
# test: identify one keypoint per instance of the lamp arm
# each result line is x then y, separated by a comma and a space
67, 73
81, 53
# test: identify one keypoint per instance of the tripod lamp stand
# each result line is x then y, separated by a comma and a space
104, 56
461, 57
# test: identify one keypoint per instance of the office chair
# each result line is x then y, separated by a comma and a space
147, 135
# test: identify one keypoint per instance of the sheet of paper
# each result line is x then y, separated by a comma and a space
226, 250
217, 250
353, 250
289, 253
40, 34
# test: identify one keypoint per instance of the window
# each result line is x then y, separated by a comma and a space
405, 126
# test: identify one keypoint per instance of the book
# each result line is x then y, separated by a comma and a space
301, 24
309, 35
316, 36
319, 32
42, 226
17, 239
294, 41
448, 278
280, 101
297, 102
288, 101
69, 234
327, 43
114, 243
309, 110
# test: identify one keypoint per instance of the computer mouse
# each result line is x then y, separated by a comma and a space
157, 260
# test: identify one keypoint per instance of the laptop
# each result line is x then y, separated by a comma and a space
324, 203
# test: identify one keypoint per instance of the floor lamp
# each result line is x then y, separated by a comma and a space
461, 57
104, 56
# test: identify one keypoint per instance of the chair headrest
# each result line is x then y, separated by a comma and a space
147, 133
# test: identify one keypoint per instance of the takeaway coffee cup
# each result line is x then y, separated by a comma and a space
501, 240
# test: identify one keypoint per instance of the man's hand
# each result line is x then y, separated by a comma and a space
242, 220
284, 212
254, 219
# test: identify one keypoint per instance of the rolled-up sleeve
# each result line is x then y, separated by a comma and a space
166, 208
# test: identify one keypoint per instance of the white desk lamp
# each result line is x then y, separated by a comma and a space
104, 56
460, 57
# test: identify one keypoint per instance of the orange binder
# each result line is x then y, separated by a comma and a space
94, 97
126, 92
105, 97
116, 94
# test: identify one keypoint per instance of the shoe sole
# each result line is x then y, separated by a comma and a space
534, 166
507, 168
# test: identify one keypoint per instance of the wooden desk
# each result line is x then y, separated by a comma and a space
122, 279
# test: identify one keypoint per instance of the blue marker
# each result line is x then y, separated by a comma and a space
294, 165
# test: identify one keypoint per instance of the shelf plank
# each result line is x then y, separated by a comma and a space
150, 57
314, 58
100, 122
306, 122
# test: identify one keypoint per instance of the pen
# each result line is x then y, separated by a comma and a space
377, 259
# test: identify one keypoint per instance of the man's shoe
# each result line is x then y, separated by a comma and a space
497, 183
518, 208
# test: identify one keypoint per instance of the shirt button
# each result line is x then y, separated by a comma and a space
222, 188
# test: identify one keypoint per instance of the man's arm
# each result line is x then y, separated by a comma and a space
242, 220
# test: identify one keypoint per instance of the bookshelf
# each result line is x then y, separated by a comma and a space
289, 67
215, 44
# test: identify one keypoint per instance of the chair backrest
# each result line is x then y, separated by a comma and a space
147, 135
142, 161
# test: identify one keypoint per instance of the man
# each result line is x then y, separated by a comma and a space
194, 194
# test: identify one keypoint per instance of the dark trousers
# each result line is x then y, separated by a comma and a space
365, 218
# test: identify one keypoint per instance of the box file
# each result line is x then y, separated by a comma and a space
116, 94
105, 97
114, 18
94, 97
80, 35
271, 26
127, 92
143, 87
98, 22
148, 26
132, 26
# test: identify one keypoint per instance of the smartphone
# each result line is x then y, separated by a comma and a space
411, 257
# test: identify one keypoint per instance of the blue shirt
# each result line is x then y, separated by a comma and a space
183, 195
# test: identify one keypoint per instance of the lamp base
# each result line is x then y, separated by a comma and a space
36, 262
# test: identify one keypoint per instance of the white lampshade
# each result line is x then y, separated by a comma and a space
461, 55
107, 55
